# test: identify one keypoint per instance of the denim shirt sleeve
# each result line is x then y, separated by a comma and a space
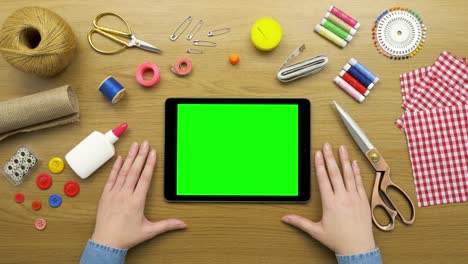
371, 257
96, 253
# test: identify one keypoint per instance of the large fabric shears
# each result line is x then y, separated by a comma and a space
382, 183
114, 34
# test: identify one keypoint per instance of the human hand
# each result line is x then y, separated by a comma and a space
346, 225
120, 221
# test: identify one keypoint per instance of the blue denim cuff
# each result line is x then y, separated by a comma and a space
97, 253
371, 257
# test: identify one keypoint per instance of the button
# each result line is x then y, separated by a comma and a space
71, 188
56, 165
40, 224
44, 181
55, 200
19, 197
36, 205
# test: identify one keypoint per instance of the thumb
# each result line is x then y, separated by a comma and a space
304, 224
163, 226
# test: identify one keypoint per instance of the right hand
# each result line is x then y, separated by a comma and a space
346, 225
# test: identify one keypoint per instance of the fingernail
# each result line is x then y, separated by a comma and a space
327, 146
318, 154
153, 152
145, 144
134, 146
342, 148
286, 219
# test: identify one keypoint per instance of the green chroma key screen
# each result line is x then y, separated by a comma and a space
225, 149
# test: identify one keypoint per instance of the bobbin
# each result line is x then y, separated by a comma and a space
355, 94
147, 66
112, 89
182, 66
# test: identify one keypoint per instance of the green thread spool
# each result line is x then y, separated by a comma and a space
336, 29
340, 23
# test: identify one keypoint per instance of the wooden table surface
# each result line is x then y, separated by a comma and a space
224, 233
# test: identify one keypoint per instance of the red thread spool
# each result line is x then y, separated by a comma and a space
354, 83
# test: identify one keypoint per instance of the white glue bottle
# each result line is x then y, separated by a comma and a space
95, 150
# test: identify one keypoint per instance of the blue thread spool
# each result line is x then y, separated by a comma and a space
358, 76
112, 89
366, 72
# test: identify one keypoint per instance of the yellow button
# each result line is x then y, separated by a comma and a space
56, 165
266, 34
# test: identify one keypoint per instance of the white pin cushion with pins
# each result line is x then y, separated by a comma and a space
399, 33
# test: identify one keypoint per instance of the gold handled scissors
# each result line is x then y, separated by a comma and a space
383, 182
114, 34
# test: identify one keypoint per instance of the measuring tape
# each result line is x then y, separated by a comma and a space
399, 33
300, 69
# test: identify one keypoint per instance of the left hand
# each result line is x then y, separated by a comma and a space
120, 221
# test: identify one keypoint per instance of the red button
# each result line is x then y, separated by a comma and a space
36, 205
44, 181
71, 188
40, 224
19, 197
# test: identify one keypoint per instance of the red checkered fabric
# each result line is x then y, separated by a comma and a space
438, 145
436, 125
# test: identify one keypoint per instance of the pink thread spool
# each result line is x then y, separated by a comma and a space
345, 17
349, 89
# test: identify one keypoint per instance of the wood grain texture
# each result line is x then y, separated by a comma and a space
224, 233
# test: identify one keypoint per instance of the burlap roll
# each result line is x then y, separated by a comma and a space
50, 108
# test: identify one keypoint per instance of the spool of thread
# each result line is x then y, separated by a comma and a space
337, 21
358, 76
349, 89
354, 83
366, 72
38, 41
345, 17
182, 67
330, 36
112, 89
336, 29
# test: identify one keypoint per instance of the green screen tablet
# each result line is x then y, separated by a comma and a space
237, 150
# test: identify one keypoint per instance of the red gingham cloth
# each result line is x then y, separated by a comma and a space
436, 125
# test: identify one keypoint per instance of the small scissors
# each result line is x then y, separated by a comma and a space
112, 35
382, 181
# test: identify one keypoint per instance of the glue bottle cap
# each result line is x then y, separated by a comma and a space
120, 129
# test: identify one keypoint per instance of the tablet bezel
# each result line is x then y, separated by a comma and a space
170, 148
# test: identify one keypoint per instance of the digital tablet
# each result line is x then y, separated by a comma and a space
254, 150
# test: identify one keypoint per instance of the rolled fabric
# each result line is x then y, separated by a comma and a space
46, 109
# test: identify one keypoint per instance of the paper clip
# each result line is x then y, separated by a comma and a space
204, 43
300, 69
193, 51
217, 32
194, 30
174, 35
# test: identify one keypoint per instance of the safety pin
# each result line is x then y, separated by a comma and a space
217, 32
204, 43
194, 51
174, 35
194, 30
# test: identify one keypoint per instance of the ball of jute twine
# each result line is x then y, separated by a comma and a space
38, 41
